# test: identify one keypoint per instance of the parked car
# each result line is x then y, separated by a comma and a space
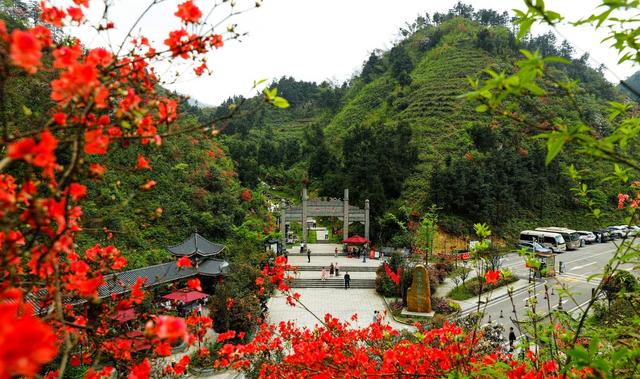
602, 235
616, 232
533, 246
633, 230
587, 237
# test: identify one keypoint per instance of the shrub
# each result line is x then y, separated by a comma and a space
472, 287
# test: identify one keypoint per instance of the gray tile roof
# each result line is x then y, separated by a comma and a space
213, 267
196, 244
157, 274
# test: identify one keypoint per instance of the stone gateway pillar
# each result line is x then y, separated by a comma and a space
345, 215
366, 219
419, 294
304, 216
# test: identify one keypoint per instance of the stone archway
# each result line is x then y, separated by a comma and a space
327, 208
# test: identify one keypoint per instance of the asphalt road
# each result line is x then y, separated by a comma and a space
579, 265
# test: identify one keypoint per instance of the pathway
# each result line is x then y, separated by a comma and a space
340, 303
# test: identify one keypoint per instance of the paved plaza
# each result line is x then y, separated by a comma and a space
340, 303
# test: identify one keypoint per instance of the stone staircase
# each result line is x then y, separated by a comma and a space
343, 269
332, 283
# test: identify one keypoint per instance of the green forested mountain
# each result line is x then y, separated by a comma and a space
401, 134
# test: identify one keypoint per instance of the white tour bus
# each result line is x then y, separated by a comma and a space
553, 241
571, 237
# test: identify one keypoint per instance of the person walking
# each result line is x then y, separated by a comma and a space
331, 270
301, 248
375, 316
308, 255
323, 275
336, 252
512, 338
337, 269
347, 280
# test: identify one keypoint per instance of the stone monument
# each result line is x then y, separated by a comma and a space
419, 294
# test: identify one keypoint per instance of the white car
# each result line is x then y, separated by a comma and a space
586, 236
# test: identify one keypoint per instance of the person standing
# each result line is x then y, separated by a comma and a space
336, 252
347, 280
337, 273
301, 248
308, 255
512, 338
375, 316
331, 270
323, 275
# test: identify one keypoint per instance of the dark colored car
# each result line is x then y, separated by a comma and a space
616, 232
533, 246
602, 235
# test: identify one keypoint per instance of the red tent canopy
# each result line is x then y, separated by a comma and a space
125, 315
185, 295
356, 240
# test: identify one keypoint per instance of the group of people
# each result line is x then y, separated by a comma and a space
334, 269
378, 316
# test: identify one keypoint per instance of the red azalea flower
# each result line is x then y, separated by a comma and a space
184, 262
492, 276
189, 12
26, 51
194, 283
142, 163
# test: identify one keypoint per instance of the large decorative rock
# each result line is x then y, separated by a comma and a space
419, 294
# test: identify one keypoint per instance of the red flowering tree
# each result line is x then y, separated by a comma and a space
100, 100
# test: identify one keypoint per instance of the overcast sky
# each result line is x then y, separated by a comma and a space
316, 40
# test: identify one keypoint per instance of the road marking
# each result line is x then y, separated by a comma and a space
583, 266
589, 257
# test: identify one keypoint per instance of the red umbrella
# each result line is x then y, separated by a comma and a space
356, 240
185, 295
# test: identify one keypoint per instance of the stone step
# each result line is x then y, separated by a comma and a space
343, 269
317, 254
332, 283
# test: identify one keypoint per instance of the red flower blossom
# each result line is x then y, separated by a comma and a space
194, 283
395, 277
189, 12
216, 41
167, 328
77, 191
184, 262
51, 15
167, 110
492, 276
246, 196
141, 370
26, 51
76, 14
148, 185
622, 198
97, 169
19, 329
142, 163
60, 118
96, 142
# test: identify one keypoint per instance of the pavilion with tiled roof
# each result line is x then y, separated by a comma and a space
201, 252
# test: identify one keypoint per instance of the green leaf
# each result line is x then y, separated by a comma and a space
554, 146
27, 112
482, 108
280, 102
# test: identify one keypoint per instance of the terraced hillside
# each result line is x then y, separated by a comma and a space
402, 135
